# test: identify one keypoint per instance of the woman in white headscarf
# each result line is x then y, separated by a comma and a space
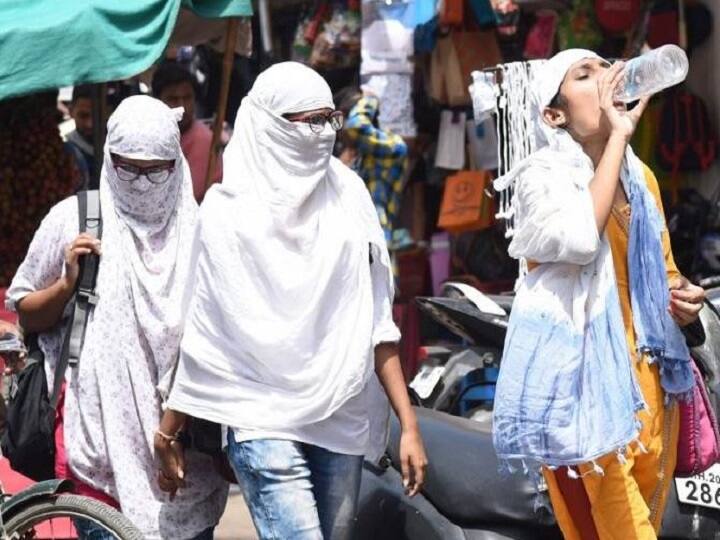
111, 403
291, 319
594, 360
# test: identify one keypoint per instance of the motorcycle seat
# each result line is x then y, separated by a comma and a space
462, 479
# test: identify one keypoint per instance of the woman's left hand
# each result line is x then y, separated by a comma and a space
413, 461
171, 475
686, 301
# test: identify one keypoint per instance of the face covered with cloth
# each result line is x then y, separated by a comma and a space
281, 331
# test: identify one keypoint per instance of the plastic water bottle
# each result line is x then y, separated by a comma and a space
651, 72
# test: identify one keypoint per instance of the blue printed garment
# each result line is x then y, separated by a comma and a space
567, 392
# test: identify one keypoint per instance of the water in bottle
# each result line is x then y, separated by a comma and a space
651, 72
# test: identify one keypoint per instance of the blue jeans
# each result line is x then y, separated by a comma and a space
89, 530
297, 491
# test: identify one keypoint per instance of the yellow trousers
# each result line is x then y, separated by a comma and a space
628, 501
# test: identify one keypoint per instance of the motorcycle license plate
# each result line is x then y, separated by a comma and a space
702, 489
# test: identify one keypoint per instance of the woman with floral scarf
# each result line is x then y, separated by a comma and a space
111, 404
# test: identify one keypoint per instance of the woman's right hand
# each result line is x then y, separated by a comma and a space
413, 461
83, 244
622, 122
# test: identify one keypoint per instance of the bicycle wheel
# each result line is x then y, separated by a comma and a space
51, 518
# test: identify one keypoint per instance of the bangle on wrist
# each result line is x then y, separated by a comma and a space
164, 436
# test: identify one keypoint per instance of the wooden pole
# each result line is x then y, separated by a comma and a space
231, 38
265, 27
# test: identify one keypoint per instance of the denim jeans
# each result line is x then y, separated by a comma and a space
89, 530
297, 491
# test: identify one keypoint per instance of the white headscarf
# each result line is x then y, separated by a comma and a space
280, 334
152, 226
551, 76
548, 143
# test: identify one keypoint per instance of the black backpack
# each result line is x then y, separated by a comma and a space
688, 142
29, 437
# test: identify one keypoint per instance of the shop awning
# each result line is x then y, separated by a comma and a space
49, 44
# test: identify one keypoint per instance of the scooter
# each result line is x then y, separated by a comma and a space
466, 498
459, 379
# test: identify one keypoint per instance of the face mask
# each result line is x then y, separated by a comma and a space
294, 144
141, 198
322, 142
141, 185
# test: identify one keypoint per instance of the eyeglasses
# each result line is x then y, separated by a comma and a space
157, 175
336, 119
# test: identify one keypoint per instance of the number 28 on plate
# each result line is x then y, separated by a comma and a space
702, 489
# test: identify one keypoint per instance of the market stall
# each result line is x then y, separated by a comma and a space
57, 45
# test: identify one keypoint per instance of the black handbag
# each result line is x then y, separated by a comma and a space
28, 440
204, 436
29, 437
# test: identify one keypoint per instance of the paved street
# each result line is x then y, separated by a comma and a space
236, 523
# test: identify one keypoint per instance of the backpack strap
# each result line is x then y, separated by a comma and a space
90, 220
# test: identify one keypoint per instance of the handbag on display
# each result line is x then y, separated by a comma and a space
507, 14
541, 37
577, 27
465, 205
476, 50
616, 17
452, 12
453, 60
446, 84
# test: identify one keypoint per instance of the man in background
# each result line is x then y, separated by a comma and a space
81, 139
175, 86
379, 156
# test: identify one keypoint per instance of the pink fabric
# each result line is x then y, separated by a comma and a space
14, 482
61, 463
439, 261
407, 318
195, 143
698, 444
